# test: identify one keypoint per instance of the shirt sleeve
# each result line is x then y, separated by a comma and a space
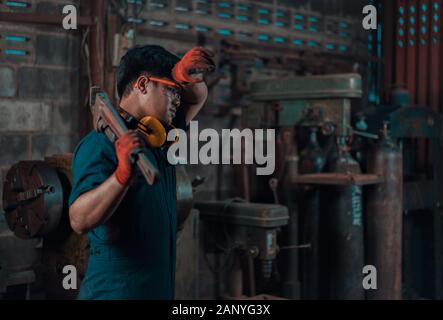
94, 161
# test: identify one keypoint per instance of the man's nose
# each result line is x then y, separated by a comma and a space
176, 100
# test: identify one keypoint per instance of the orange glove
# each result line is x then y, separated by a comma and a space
197, 60
124, 146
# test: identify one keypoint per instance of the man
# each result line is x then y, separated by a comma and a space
131, 225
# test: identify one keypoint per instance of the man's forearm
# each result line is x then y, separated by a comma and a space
96, 206
195, 98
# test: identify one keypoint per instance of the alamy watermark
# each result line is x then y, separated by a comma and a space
70, 280
70, 17
225, 148
370, 20
370, 278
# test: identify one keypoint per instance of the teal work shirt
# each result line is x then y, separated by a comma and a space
132, 255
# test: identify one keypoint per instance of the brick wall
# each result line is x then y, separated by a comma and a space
39, 87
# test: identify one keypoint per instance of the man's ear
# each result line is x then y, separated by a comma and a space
142, 84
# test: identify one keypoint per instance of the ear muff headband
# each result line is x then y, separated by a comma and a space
153, 131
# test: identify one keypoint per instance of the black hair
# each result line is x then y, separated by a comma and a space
154, 60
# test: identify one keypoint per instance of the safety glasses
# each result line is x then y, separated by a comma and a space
171, 86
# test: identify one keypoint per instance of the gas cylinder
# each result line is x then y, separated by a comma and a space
312, 160
384, 219
345, 232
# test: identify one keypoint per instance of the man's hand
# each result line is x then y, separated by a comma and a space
194, 63
124, 146
189, 72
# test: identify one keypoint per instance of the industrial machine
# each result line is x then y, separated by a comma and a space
328, 216
35, 198
248, 232
357, 187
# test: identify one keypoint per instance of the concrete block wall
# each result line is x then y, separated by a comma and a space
39, 87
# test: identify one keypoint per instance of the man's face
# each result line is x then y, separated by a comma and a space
161, 99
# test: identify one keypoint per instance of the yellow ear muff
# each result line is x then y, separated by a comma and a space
153, 131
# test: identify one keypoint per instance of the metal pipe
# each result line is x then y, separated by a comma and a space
290, 258
112, 26
235, 282
96, 41
251, 271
